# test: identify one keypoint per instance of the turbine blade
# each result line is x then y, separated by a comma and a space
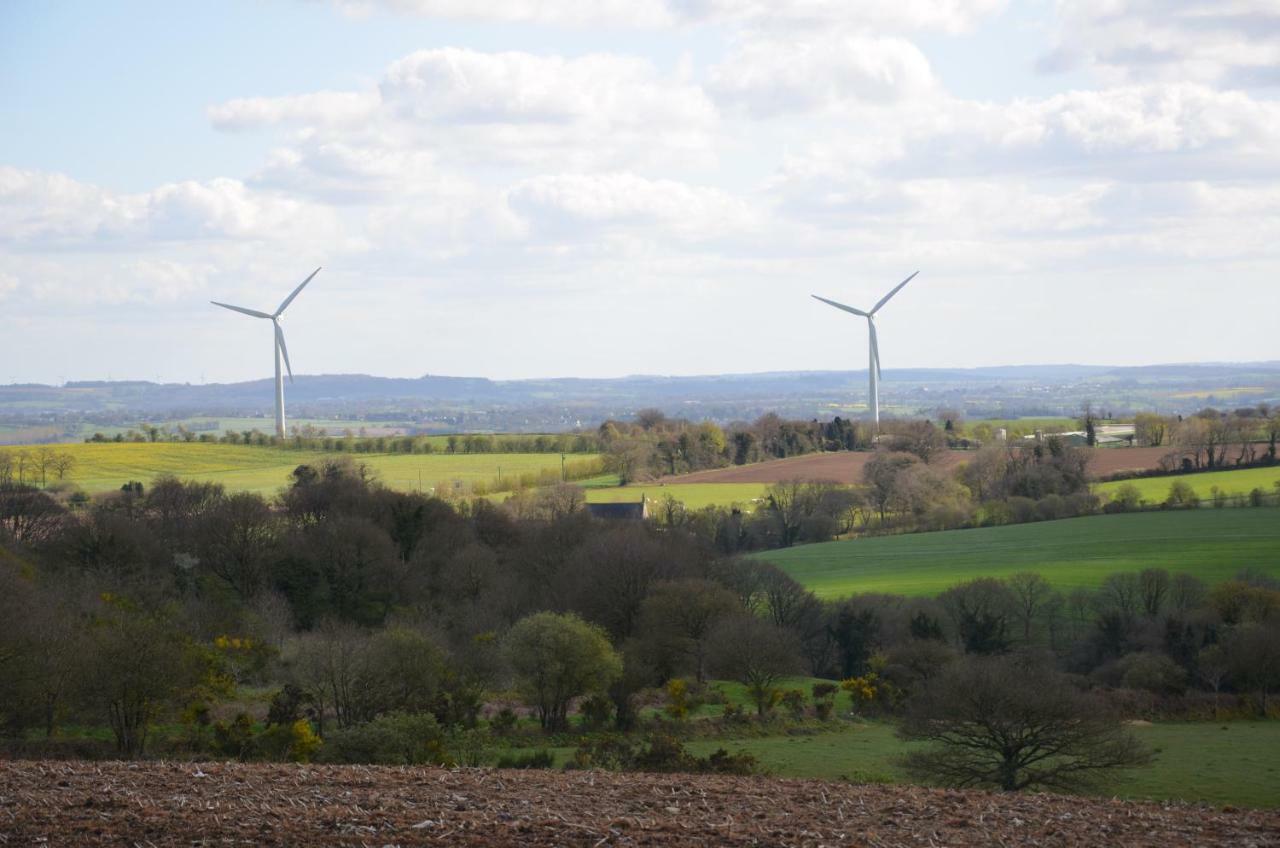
875, 347
840, 306
284, 350
896, 289
288, 300
255, 313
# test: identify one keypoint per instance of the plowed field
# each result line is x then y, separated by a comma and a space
163, 804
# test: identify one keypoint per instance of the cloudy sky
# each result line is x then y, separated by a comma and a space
521, 188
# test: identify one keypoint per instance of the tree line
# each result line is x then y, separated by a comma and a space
377, 616
34, 467
311, 438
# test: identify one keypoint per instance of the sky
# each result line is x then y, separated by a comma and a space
596, 188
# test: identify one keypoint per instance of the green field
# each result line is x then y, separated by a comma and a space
692, 495
1238, 482
104, 467
1212, 544
1234, 763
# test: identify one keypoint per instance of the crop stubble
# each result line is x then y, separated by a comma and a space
158, 804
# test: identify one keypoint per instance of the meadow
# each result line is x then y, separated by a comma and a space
1236, 482
1235, 762
1230, 763
1077, 552
106, 466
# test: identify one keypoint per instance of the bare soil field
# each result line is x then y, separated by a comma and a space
161, 804
846, 466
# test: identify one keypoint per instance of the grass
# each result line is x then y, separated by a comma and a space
692, 495
105, 467
1079, 552
1236, 763
1235, 482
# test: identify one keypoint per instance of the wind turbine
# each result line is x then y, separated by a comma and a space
874, 366
278, 348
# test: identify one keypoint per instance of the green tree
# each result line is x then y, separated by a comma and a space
136, 667
557, 657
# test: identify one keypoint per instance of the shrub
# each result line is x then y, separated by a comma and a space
677, 698
529, 760
394, 739
295, 742
504, 721
794, 701
1181, 495
660, 753
234, 739
824, 700
596, 710
1127, 498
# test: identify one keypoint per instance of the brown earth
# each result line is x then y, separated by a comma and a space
163, 804
846, 466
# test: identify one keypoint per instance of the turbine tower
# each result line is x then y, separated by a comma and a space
874, 366
278, 348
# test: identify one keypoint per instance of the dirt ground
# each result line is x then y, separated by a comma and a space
846, 467
163, 804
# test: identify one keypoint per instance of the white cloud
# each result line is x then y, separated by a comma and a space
563, 12
943, 15
468, 87
951, 16
43, 208
325, 108
465, 107
771, 76
1229, 42
576, 204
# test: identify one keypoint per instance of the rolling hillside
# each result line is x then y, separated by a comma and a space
105, 467
1212, 544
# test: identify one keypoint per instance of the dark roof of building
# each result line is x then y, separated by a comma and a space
633, 511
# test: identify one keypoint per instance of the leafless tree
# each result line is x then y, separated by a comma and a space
1032, 594
755, 653
1014, 723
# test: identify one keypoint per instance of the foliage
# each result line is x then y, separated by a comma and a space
557, 657
657, 753
394, 739
526, 760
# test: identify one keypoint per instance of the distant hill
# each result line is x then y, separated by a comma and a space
462, 403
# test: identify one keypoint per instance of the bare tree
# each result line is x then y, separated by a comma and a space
1032, 593
28, 515
1153, 588
1014, 723
43, 461
682, 614
756, 654
63, 462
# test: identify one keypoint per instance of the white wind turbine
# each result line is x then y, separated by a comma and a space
874, 366
279, 349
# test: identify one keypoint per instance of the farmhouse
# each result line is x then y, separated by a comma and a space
637, 511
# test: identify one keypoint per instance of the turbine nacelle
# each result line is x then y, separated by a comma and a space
281, 351
274, 318
873, 365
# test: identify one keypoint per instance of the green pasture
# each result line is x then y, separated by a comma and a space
692, 495
1213, 544
1233, 763
106, 466
1237, 482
